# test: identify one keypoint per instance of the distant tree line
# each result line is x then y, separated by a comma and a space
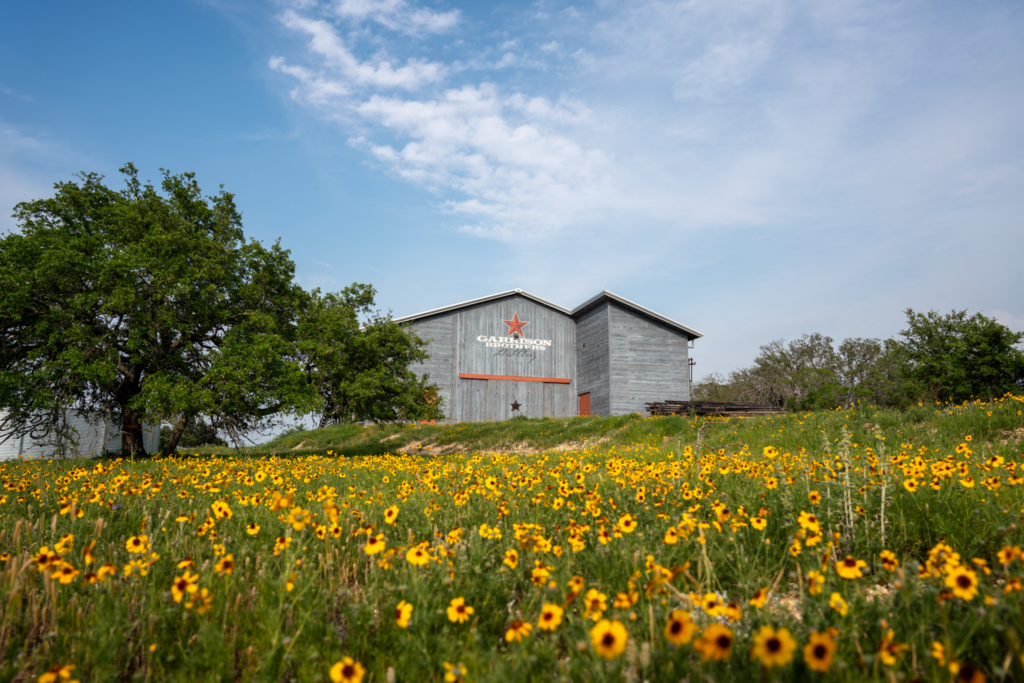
149, 305
954, 357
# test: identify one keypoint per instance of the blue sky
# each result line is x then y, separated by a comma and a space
755, 169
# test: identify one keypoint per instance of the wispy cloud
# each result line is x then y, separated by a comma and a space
680, 116
397, 15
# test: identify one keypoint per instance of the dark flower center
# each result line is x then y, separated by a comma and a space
347, 671
723, 641
608, 640
677, 626
820, 651
774, 645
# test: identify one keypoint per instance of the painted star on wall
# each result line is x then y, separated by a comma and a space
515, 326
515, 405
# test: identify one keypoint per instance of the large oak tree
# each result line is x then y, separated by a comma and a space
149, 305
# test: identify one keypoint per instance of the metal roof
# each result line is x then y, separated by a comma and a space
606, 295
579, 310
472, 302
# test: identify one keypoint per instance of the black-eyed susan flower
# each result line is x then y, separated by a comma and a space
627, 523
221, 510
137, 544
201, 600
818, 651
511, 558
968, 673
347, 670
809, 521
58, 673
938, 652
183, 585
65, 573
850, 567
252, 528
299, 518
458, 611
403, 614
550, 617
517, 630
454, 673
226, 565
391, 514
680, 628
715, 642
758, 523
815, 582
963, 582
889, 561
87, 553
773, 647
759, 599
836, 602
609, 638
889, 650
576, 584
1008, 554
814, 498
374, 545
595, 603
417, 556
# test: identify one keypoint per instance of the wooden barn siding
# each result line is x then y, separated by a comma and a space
488, 399
592, 362
455, 350
439, 331
648, 362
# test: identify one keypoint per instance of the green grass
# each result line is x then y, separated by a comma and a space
304, 593
932, 425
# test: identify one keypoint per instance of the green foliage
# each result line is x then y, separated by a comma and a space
149, 305
362, 372
957, 357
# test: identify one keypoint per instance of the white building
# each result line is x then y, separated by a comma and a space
94, 434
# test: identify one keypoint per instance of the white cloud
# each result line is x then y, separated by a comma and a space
325, 42
518, 177
397, 15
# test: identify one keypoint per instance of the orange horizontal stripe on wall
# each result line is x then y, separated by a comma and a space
553, 380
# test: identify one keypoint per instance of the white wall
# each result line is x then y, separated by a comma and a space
94, 437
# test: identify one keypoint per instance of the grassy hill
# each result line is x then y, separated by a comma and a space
922, 425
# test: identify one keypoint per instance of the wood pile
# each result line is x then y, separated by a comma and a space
714, 408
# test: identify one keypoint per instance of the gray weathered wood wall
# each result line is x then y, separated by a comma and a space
592, 362
456, 349
648, 362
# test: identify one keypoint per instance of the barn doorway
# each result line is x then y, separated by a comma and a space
585, 404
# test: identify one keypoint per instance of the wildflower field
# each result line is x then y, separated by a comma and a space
847, 545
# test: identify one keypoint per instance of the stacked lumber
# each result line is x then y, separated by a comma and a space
713, 408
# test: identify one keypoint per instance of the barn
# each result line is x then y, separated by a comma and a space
95, 436
514, 353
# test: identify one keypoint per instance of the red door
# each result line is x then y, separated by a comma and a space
585, 404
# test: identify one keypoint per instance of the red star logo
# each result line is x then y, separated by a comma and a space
515, 326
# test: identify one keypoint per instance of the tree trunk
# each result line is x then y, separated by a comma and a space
172, 443
131, 434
